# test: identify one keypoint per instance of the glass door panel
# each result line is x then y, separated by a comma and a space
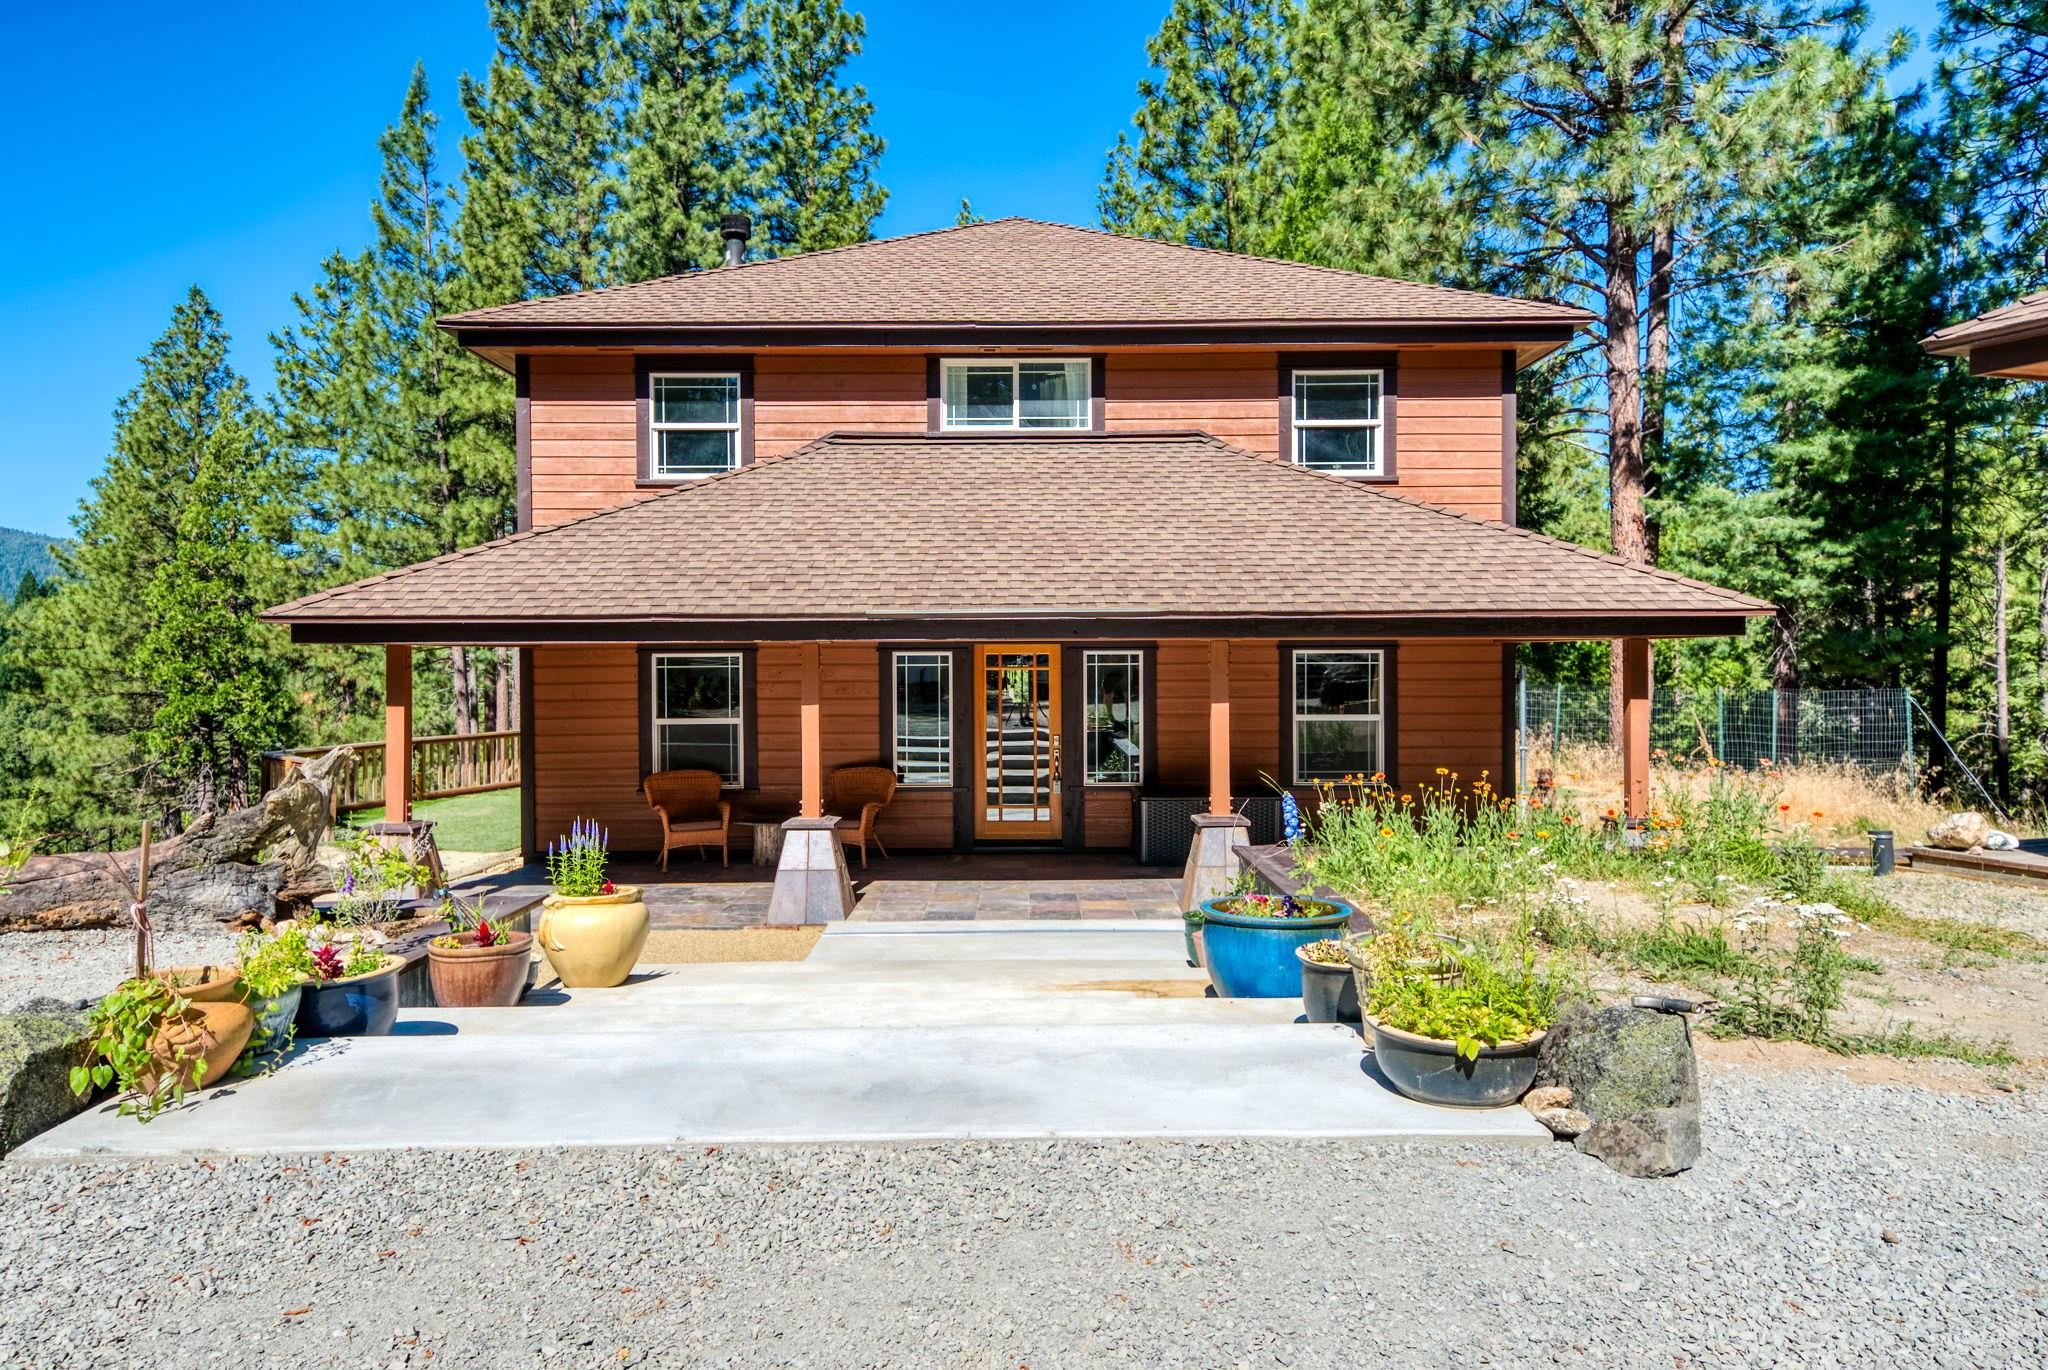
1018, 695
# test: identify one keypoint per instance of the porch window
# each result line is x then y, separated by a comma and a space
696, 425
924, 718
1014, 394
698, 712
1337, 424
1115, 713
1339, 718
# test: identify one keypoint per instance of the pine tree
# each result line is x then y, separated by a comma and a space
541, 181
1996, 67
218, 675
816, 154
967, 218
685, 148
95, 643
1198, 171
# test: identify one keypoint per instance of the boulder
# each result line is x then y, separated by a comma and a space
1959, 832
2000, 841
38, 1048
1631, 1073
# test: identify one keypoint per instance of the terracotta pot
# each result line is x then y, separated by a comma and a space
203, 984
470, 976
593, 941
214, 1031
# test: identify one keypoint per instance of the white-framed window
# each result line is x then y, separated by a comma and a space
1337, 424
694, 425
1339, 714
987, 394
923, 743
1113, 712
700, 713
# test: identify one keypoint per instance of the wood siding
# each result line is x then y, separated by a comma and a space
581, 415
586, 746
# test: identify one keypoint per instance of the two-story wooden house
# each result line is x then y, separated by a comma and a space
1043, 518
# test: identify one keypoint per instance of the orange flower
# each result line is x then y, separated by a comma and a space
1817, 813
1443, 770
1407, 799
1784, 808
1514, 836
1386, 832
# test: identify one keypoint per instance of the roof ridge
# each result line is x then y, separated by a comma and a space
720, 270
1343, 272
1351, 483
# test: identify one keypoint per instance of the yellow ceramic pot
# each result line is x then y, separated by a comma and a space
593, 941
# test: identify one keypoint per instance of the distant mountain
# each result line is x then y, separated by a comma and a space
21, 552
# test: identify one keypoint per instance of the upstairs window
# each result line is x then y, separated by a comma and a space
696, 425
1337, 424
1014, 395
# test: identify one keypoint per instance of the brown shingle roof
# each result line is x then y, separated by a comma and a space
869, 529
2026, 317
1018, 272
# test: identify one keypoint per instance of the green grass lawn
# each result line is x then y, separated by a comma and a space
468, 822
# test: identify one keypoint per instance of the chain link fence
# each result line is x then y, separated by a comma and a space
1869, 728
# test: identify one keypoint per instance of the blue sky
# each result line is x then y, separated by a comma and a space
234, 145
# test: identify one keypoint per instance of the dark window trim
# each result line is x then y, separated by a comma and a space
1388, 364
1147, 654
522, 439
1390, 751
885, 667
750, 714
965, 742
935, 392
646, 366
529, 818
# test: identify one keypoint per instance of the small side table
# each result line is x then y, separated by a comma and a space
767, 841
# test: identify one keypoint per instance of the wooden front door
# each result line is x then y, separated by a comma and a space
1017, 695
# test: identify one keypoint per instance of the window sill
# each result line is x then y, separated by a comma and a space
1364, 477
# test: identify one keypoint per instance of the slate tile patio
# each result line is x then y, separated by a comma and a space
911, 887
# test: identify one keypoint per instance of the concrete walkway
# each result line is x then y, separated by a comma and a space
889, 1032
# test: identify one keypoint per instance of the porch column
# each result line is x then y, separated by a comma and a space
1212, 866
1635, 728
811, 726
1219, 727
812, 884
397, 734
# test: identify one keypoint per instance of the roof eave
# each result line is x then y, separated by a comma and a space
1052, 624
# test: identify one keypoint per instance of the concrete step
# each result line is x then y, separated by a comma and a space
715, 1087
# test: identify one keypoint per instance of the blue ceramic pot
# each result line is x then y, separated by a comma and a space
364, 1006
1250, 957
273, 1030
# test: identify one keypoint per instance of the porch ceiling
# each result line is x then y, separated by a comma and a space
977, 536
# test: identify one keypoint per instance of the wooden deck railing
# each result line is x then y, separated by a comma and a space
443, 766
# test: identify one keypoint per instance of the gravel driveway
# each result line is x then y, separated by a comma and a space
1775, 1250
87, 964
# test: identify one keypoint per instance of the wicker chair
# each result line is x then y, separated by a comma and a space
863, 791
692, 813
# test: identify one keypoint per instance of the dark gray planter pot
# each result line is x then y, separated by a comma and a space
1431, 1071
1329, 994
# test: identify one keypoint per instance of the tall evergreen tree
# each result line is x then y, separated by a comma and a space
1197, 173
97, 645
541, 181
1997, 68
816, 155
685, 147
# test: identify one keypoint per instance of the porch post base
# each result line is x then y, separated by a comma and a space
811, 880
1211, 866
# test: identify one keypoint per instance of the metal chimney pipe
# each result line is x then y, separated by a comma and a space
735, 229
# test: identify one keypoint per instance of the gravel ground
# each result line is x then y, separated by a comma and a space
1830, 1224
86, 965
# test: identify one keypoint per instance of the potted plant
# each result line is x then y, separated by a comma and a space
352, 993
202, 984
481, 965
590, 929
1468, 1038
1248, 939
274, 967
376, 880
1329, 994
156, 1045
1191, 929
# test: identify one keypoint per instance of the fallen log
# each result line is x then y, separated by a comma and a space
226, 867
